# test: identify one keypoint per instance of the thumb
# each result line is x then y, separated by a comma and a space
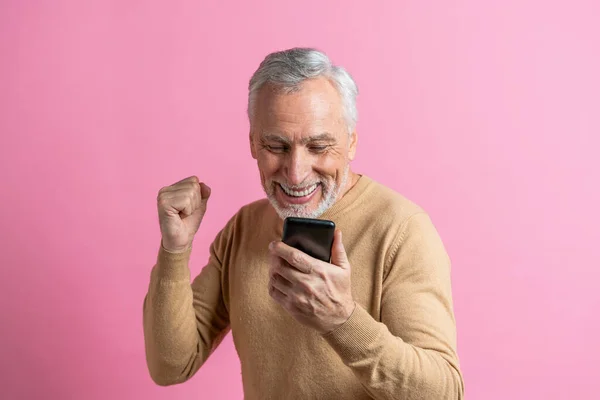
338, 253
204, 192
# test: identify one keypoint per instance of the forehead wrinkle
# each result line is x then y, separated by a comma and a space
266, 135
325, 136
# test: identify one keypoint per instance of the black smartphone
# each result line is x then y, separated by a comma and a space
311, 236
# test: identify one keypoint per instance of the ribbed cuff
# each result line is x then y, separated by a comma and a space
356, 338
172, 266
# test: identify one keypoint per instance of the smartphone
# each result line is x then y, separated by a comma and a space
311, 236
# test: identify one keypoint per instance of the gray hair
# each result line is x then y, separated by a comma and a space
287, 69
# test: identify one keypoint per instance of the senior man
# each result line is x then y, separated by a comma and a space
376, 322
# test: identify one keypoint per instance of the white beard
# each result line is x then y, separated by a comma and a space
330, 193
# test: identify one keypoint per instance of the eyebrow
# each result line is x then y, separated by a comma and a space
325, 136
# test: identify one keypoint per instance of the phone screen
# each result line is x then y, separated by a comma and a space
311, 236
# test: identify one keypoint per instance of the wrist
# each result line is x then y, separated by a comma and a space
174, 249
347, 313
349, 310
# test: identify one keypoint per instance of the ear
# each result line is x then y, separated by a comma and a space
252, 147
352, 145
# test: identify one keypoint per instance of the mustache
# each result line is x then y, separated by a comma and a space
325, 181
300, 186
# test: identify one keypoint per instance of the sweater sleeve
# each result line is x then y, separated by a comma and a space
183, 323
411, 353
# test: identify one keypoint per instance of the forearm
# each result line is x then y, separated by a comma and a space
170, 332
388, 367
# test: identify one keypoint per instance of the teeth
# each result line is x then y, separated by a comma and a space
301, 193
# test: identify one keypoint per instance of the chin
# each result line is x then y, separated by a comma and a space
301, 210
292, 211
330, 191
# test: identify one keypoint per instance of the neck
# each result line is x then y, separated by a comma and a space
351, 181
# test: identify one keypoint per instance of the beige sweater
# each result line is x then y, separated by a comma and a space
400, 342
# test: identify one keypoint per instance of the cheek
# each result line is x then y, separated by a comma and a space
331, 165
268, 164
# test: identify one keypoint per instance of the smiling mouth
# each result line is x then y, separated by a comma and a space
302, 192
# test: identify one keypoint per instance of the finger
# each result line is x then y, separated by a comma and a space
338, 252
192, 179
193, 189
178, 187
277, 294
185, 199
182, 202
289, 275
281, 284
184, 205
297, 259
204, 191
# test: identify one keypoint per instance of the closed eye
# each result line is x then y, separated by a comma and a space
276, 149
318, 149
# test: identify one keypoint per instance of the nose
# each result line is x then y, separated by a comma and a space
297, 167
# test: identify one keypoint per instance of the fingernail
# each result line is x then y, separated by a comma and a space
271, 245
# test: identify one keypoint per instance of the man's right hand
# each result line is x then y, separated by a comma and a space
181, 208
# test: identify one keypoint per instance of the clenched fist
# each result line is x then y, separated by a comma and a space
181, 208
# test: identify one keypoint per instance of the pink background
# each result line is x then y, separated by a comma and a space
486, 113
